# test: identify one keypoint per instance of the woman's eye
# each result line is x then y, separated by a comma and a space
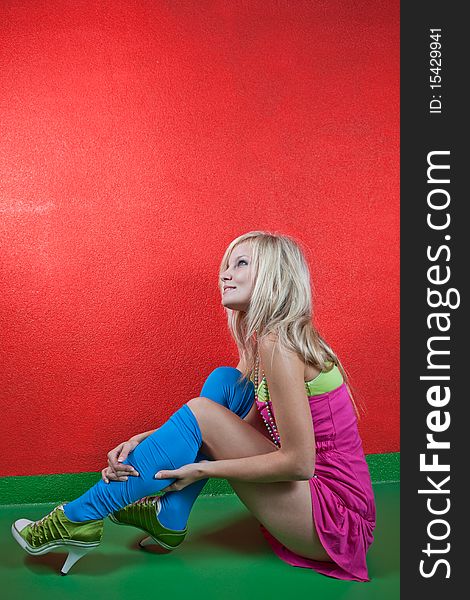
242, 260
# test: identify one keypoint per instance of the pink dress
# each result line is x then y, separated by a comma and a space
343, 505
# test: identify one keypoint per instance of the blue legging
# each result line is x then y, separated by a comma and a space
175, 443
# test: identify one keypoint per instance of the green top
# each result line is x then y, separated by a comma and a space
325, 381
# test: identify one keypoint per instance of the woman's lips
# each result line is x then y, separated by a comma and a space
229, 289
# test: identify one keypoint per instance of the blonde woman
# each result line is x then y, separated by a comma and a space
281, 427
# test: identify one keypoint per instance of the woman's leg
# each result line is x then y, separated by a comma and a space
284, 507
221, 386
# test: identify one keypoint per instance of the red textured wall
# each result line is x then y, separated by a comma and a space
138, 139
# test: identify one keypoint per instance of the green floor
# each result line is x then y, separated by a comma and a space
224, 556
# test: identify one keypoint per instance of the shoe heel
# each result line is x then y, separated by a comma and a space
156, 546
148, 541
75, 554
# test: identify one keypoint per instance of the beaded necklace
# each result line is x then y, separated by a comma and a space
270, 423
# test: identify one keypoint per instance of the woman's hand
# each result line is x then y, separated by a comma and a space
185, 475
116, 471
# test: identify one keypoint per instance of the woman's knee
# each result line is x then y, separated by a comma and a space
225, 387
219, 383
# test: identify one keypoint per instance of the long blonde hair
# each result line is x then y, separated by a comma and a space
280, 304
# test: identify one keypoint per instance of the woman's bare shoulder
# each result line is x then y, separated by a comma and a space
270, 346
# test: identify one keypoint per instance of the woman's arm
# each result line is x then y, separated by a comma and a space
284, 372
263, 468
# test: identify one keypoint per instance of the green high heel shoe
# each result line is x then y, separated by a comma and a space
143, 515
54, 531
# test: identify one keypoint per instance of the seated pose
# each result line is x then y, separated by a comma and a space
291, 452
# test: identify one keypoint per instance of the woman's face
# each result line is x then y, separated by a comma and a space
237, 285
